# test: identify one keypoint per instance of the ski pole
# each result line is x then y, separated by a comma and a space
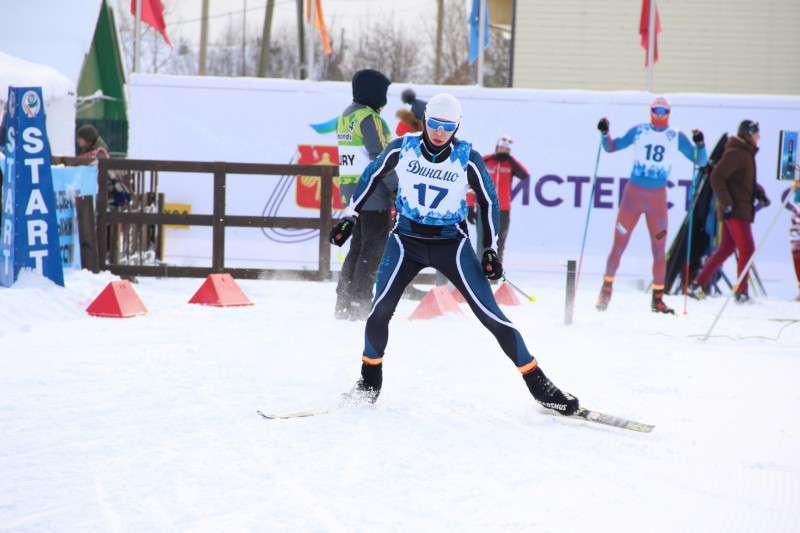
530, 298
689, 239
752, 257
589, 212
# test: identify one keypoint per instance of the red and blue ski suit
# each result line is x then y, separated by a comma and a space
655, 148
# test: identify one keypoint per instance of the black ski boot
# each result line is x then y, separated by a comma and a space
367, 388
549, 395
605, 296
657, 304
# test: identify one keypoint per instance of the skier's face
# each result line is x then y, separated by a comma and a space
659, 116
753, 139
438, 136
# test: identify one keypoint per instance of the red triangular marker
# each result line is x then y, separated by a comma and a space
437, 302
220, 290
118, 300
458, 297
505, 295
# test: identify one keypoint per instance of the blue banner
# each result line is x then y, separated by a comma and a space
474, 31
30, 227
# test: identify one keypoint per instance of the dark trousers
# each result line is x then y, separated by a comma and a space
403, 259
361, 264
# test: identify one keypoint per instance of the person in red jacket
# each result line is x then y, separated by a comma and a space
502, 167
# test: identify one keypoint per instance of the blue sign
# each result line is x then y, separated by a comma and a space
30, 226
787, 155
69, 183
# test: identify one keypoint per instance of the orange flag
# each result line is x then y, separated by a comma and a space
319, 22
644, 30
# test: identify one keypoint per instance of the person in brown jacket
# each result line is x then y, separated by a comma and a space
734, 183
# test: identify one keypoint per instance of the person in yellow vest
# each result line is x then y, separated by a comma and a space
362, 135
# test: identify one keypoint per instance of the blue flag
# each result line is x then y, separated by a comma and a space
30, 226
473, 30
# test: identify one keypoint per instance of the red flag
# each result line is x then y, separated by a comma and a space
153, 14
319, 22
644, 30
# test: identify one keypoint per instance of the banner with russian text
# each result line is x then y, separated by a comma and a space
30, 227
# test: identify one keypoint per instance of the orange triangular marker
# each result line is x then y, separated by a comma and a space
505, 295
437, 302
118, 300
220, 290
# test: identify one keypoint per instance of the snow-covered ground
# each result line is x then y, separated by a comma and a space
150, 424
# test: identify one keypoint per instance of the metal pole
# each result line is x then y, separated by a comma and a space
244, 40
301, 40
137, 36
481, 37
201, 69
651, 44
311, 27
263, 61
570, 303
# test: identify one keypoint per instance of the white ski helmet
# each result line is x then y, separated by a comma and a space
444, 106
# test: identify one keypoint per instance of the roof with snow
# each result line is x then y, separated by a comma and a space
17, 72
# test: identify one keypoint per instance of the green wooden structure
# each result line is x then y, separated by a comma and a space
103, 71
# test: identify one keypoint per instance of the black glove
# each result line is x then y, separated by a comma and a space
727, 212
603, 126
697, 137
472, 215
762, 197
342, 231
491, 265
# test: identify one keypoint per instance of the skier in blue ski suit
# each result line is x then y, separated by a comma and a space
434, 171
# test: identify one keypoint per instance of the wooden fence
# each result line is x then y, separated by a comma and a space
139, 221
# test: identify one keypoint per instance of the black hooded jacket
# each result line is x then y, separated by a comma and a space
370, 87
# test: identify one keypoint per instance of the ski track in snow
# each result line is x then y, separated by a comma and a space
150, 424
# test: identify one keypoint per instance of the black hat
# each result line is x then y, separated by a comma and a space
748, 127
370, 87
88, 133
417, 106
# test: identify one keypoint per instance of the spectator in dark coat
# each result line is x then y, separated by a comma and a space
734, 182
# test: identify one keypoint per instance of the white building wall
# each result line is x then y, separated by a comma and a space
710, 46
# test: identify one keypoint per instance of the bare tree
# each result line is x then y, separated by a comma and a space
405, 54
455, 45
393, 50
498, 60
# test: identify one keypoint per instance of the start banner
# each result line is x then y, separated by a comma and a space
30, 228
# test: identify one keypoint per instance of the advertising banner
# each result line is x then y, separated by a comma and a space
30, 227
69, 183
555, 137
